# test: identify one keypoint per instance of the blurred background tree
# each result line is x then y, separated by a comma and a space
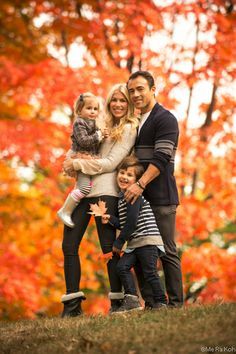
53, 50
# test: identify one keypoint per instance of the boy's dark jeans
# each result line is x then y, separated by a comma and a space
147, 257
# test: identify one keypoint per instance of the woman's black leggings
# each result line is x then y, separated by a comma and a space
73, 237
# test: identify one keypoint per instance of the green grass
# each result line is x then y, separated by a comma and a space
174, 331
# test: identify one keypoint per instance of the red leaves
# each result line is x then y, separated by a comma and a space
18, 283
38, 142
214, 268
34, 85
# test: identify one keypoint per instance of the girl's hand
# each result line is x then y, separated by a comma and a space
105, 218
116, 250
105, 133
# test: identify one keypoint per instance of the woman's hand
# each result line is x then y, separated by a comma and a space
105, 218
81, 155
68, 166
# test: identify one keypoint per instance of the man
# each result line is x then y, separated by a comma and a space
155, 147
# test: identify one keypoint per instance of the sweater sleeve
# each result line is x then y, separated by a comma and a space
114, 221
166, 139
132, 215
118, 152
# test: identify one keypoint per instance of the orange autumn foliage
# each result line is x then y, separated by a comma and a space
213, 265
37, 91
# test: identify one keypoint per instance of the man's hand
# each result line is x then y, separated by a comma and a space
132, 193
116, 250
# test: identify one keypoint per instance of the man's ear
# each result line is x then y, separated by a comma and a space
153, 89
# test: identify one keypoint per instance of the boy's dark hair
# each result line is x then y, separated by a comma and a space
145, 74
131, 161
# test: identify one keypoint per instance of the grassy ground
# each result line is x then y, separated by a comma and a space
191, 330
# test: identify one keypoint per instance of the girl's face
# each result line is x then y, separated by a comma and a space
118, 105
125, 178
90, 109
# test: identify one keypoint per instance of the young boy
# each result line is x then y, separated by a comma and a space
144, 243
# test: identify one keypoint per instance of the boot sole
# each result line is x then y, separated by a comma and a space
125, 311
64, 222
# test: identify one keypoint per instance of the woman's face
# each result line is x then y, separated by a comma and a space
118, 105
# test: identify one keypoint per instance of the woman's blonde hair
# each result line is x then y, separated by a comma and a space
80, 102
117, 130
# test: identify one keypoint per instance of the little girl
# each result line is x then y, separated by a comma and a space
144, 242
86, 138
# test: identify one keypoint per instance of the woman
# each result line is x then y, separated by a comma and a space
122, 125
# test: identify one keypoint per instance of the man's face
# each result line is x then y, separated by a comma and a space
141, 95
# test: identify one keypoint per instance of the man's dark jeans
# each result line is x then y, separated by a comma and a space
165, 218
147, 257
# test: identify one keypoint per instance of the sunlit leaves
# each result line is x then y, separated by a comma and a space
38, 88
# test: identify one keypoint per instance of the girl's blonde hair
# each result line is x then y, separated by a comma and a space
117, 130
80, 102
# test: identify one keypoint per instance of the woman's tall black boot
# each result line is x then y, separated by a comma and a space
72, 304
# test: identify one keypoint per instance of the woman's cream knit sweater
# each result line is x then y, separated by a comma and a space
103, 170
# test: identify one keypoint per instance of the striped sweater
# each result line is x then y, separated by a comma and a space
157, 144
137, 224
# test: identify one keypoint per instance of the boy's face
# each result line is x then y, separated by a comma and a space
125, 178
141, 95
90, 109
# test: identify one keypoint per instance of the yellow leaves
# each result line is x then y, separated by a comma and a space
36, 85
26, 111
98, 209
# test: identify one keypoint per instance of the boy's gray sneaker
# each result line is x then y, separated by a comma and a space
130, 303
158, 306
